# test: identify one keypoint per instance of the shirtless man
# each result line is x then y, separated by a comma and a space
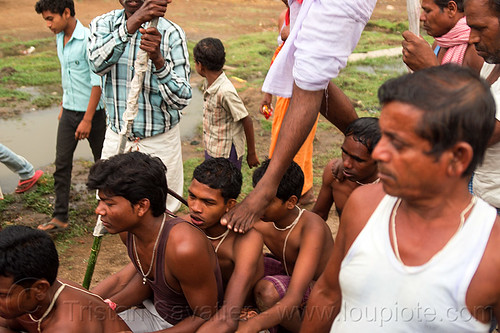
32, 299
420, 226
301, 242
213, 191
445, 21
173, 263
356, 168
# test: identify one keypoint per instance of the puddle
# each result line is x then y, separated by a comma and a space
33, 135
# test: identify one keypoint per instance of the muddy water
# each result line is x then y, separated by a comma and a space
33, 135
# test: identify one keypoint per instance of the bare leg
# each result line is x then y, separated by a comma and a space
340, 111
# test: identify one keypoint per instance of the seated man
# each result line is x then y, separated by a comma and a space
445, 21
356, 167
418, 251
32, 299
173, 263
302, 241
213, 191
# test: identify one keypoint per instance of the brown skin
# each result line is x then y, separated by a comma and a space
433, 193
189, 260
247, 123
240, 256
298, 122
95, 315
418, 54
308, 248
485, 35
341, 177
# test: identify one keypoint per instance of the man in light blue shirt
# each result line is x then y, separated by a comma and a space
115, 39
82, 115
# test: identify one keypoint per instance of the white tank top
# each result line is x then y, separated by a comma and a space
380, 294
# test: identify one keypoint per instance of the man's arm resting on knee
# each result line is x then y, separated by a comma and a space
298, 122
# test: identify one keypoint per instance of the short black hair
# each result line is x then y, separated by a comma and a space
365, 130
55, 6
134, 176
495, 5
27, 255
457, 106
210, 53
444, 3
291, 183
220, 174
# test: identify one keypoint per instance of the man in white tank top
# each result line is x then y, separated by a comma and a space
417, 252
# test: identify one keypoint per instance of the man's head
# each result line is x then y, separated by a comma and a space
56, 13
440, 16
135, 177
483, 17
435, 125
131, 6
28, 265
361, 136
209, 54
214, 189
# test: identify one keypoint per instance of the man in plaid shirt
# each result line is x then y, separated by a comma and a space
115, 39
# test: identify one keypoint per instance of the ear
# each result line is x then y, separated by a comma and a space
39, 289
452, 8
291, 202
230, 204
459, 159
66, 14
142, 207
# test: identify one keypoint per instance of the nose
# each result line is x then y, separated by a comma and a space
474, 37
423, 17
346, 161
194, 205
100, 208
381, 152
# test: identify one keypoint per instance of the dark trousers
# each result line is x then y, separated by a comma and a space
65, 148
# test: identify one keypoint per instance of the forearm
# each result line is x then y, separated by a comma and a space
321, 309
283, 310
249, 134
95, 96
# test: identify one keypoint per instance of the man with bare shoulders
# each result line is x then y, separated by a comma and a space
483, 16
213, 191
301, 244
32, 299
418, 252
174, 272
445, 21
356, 168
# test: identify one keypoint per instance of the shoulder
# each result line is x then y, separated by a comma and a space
111, 16
186, 240
250, 238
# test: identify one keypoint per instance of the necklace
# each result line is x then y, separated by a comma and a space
51, 305
218, 237
144, 276
376, 181
290, 225
223, 236
393, 225
286, 238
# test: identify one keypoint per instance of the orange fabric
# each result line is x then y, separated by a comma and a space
304, 155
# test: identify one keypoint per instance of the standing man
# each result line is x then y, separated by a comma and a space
115, 39
82, 115
420, 226
485, 35
313, 54
445, 21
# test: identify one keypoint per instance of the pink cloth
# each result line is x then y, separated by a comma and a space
456, 41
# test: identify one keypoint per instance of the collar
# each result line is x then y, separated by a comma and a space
216, 84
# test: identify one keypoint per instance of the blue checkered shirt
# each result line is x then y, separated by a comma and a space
166, 91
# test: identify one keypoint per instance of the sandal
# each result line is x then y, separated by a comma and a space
26, 184
52, 227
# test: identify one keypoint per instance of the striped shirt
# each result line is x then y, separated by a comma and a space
166, 91
222, 112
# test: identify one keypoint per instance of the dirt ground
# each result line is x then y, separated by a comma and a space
199, 18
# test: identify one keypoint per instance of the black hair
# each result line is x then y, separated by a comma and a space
444, 3
366, 131
134, 176
495, 5
210, 53
55, 6
27, 255
220, 174
457, 106
291, 183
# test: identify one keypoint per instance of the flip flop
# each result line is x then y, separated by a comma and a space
26, 184
55, 227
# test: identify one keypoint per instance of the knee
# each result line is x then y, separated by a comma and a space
266, 295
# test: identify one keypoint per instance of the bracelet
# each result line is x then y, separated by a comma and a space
111, 304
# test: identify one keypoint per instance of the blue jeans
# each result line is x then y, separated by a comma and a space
16, 163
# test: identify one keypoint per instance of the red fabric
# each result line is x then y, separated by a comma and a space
456, 41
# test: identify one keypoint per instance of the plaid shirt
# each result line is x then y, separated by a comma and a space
222, 112
166, 91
